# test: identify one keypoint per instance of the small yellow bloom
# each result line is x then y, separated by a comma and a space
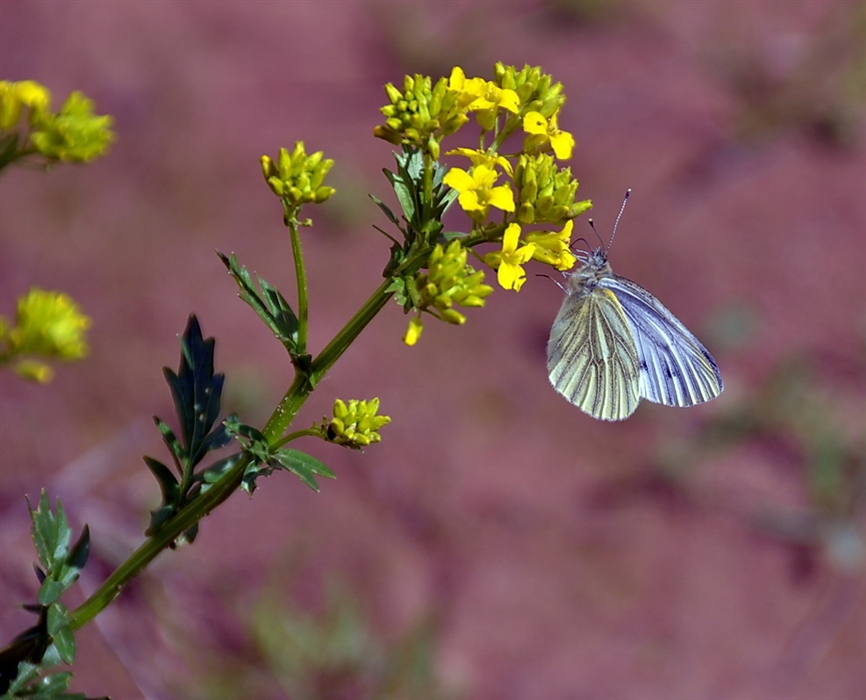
552, 248
297, 177
509, 261
413, 332
478, 191
355, 424
542, 132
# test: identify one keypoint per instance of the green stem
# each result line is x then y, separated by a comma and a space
300, 276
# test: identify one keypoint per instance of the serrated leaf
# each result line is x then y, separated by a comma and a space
50, 532
196, 390
27, 672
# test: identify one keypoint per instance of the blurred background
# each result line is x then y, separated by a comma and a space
498, 543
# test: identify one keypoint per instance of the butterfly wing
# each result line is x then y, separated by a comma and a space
591, 355
675, 368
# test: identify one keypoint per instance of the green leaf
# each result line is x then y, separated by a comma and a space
392, 217
305, 466
273, 308
196, 390
50, 532
218, 469
58, 628
51, 686
168, 483
80, 551
50, 591
171, 441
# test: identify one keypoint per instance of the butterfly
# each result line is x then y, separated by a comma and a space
613, 344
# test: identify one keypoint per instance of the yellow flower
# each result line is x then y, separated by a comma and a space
75, 133
491, 160
48, 325
477, 93
552, 248
483, 96
542, 132
509, 261
297, 177
478, 191
15, 96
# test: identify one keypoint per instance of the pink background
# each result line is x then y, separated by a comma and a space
561, 557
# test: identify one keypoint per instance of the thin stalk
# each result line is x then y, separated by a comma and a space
300, 276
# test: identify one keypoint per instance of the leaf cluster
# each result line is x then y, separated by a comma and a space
266, 459
423, 197
196, 390
50, 641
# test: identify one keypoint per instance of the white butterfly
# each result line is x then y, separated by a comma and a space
613, 343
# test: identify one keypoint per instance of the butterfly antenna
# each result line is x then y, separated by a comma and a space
592, 226
618, 217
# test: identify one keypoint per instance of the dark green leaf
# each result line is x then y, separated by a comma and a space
196, 390
28, 648
283, 323
392, 217
403, 190
273, 309
217, 470
160, 517
171, 441
80, 551
168, 483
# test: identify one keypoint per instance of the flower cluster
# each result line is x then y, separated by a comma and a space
448, 281
355, 424
297, 177
74, 133
48, 326
422, 113
524, 201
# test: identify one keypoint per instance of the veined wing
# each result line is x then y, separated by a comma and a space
591, 356
675, 368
